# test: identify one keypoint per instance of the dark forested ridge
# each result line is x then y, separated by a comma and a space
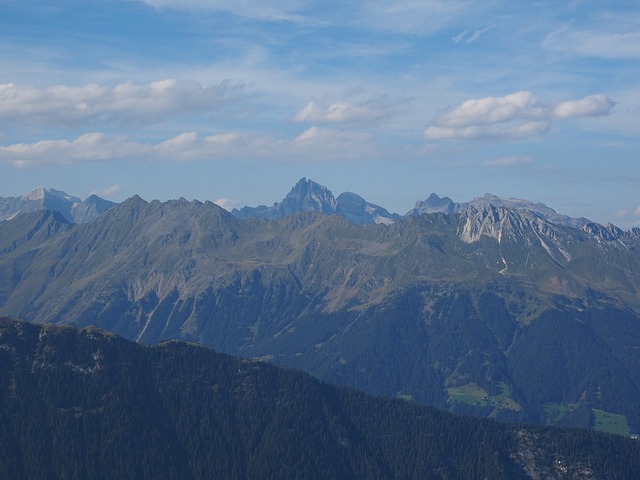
490, 311
88, 404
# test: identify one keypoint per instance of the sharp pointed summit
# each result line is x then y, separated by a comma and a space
435, 204
309, 196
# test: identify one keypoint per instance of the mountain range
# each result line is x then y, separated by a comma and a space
72, 208
493, 310
305, 196
309, 196
435, 204
88, 404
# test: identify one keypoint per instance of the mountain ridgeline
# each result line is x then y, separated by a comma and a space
308, 196
88, 404
507, 311
71, 208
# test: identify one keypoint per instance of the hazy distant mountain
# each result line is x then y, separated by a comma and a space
90, 208
86, 404
435, 204
522, 205
491, 311
355, 209
72, 208
305, 196
309, 196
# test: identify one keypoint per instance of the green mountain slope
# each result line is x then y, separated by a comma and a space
491, 311
86, 404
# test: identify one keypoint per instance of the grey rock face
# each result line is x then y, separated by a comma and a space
72, 208
309, 196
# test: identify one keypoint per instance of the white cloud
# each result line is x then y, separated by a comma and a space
488, 110
124, 102
592, 106
346, 112
500, 132
86, 148
333, 113
192, 146
513, 116
312, 145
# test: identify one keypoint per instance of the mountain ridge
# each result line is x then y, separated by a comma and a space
450, 302
84, 403
307, 195
72, 208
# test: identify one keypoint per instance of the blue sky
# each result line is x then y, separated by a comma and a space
234, 100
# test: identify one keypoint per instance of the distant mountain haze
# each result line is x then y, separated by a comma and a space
308, 196
305, 196
509, 311
72, 208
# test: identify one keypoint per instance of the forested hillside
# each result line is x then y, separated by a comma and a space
87, 404
490, 311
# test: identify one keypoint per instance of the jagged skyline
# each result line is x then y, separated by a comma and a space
233, 102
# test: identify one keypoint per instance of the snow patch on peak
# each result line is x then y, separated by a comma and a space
35, 194
42, 193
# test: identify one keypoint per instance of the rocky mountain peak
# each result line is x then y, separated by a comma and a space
42, 193
435, 204
608, 232
72, 208
538, 208
308, 195
35, 194
357, 210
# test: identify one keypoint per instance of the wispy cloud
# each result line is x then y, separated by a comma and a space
277, 10
513, 116
326, 145
109, 191
417, 16
323, 111
406, 16
124, 102
607, 45
458, 38
498, 132
628, 218
514, 161
475, 36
